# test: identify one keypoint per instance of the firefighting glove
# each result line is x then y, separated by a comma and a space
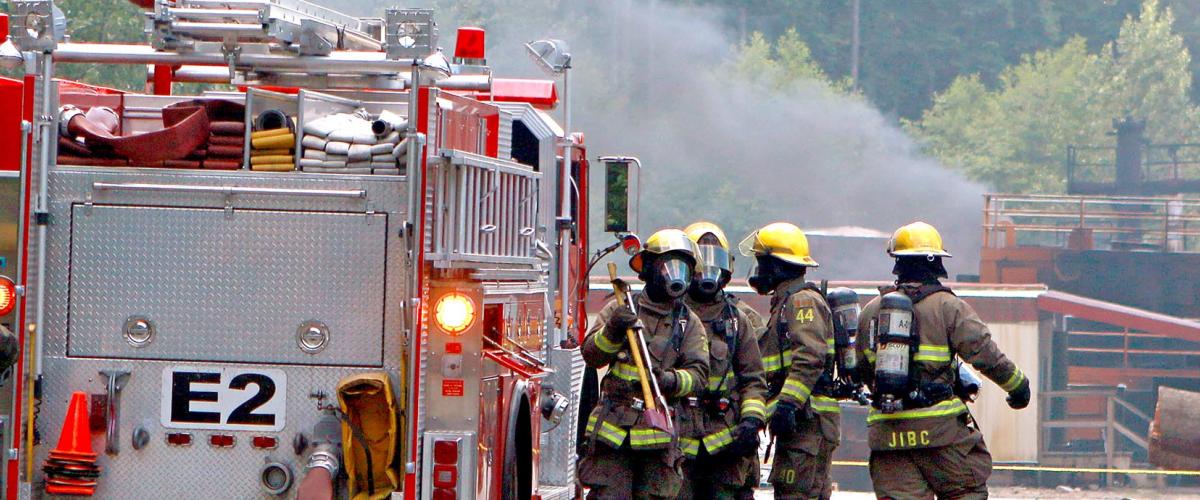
783, 421
668, 381
1019, 397
622, 320
745, 437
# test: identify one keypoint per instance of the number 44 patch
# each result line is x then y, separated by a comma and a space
804, 314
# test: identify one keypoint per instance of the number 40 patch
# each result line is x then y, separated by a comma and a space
804, 314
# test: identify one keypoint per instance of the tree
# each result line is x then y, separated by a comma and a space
1014, 137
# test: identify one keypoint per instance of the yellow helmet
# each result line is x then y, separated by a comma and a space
718, 258
780, 240
663, 241
917, 239
698, 229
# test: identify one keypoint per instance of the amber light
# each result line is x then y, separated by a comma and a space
454, 313
8, 295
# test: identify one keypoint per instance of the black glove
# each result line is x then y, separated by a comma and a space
783, 422
745, 437
668, 381
1019, 398
622, 320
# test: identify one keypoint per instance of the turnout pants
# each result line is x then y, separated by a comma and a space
724, 477
625, 473
958, 471
802, 472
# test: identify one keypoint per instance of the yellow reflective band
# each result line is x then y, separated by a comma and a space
772, 363
822, 404
754, 408
830, 346
1013, 381
611, 433
685, 382
953, 406
625, 371
717, 440
604, 344
715, 382
771, 405
796, 389
689, 446
933, 354
870, 355
641, 438
591, 425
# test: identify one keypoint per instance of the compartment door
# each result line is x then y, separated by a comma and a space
216, 285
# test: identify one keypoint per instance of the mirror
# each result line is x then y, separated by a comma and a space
621, 191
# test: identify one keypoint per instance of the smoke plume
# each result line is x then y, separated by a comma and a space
654, 81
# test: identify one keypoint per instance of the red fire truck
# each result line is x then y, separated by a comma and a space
204, 279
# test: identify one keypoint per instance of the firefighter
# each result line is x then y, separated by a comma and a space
923, 439
719, 427
626, 457
804, 417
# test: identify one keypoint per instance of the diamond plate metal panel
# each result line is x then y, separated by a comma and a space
208, 280
557, 466
200, 471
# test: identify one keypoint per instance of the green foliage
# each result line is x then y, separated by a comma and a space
104, 21
1014, 136
781, 65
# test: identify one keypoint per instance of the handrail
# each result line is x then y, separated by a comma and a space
228, 190
1107, 422
1091, 222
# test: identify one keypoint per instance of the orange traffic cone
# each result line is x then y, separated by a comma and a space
76, 438
71, 468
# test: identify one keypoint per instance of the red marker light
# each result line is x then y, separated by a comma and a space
179, 439
470, 43
445, 452
221, 440
264, 442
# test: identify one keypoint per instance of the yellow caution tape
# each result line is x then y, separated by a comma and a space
853, 463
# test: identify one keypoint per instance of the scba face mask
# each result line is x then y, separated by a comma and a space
672, 275
712, 270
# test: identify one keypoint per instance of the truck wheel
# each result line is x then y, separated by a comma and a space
518, 455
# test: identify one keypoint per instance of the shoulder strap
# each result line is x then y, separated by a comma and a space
921, 292
679, 319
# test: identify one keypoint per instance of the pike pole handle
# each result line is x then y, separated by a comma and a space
643, 373
621, 291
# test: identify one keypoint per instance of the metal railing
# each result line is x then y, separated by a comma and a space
486, 210
1160, 164
1166, 224
1112, 423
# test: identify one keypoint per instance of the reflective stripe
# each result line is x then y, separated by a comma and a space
715, 382
1013, 381
870, 355
822, 404
717, 440
933, 353
830, 346
684, 380
625, 371
796, 389
604, 344
642, 438
607, 431
771, 405
754, 408
689, 446
952, 406
778, 361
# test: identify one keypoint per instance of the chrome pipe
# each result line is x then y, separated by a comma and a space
217, 15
